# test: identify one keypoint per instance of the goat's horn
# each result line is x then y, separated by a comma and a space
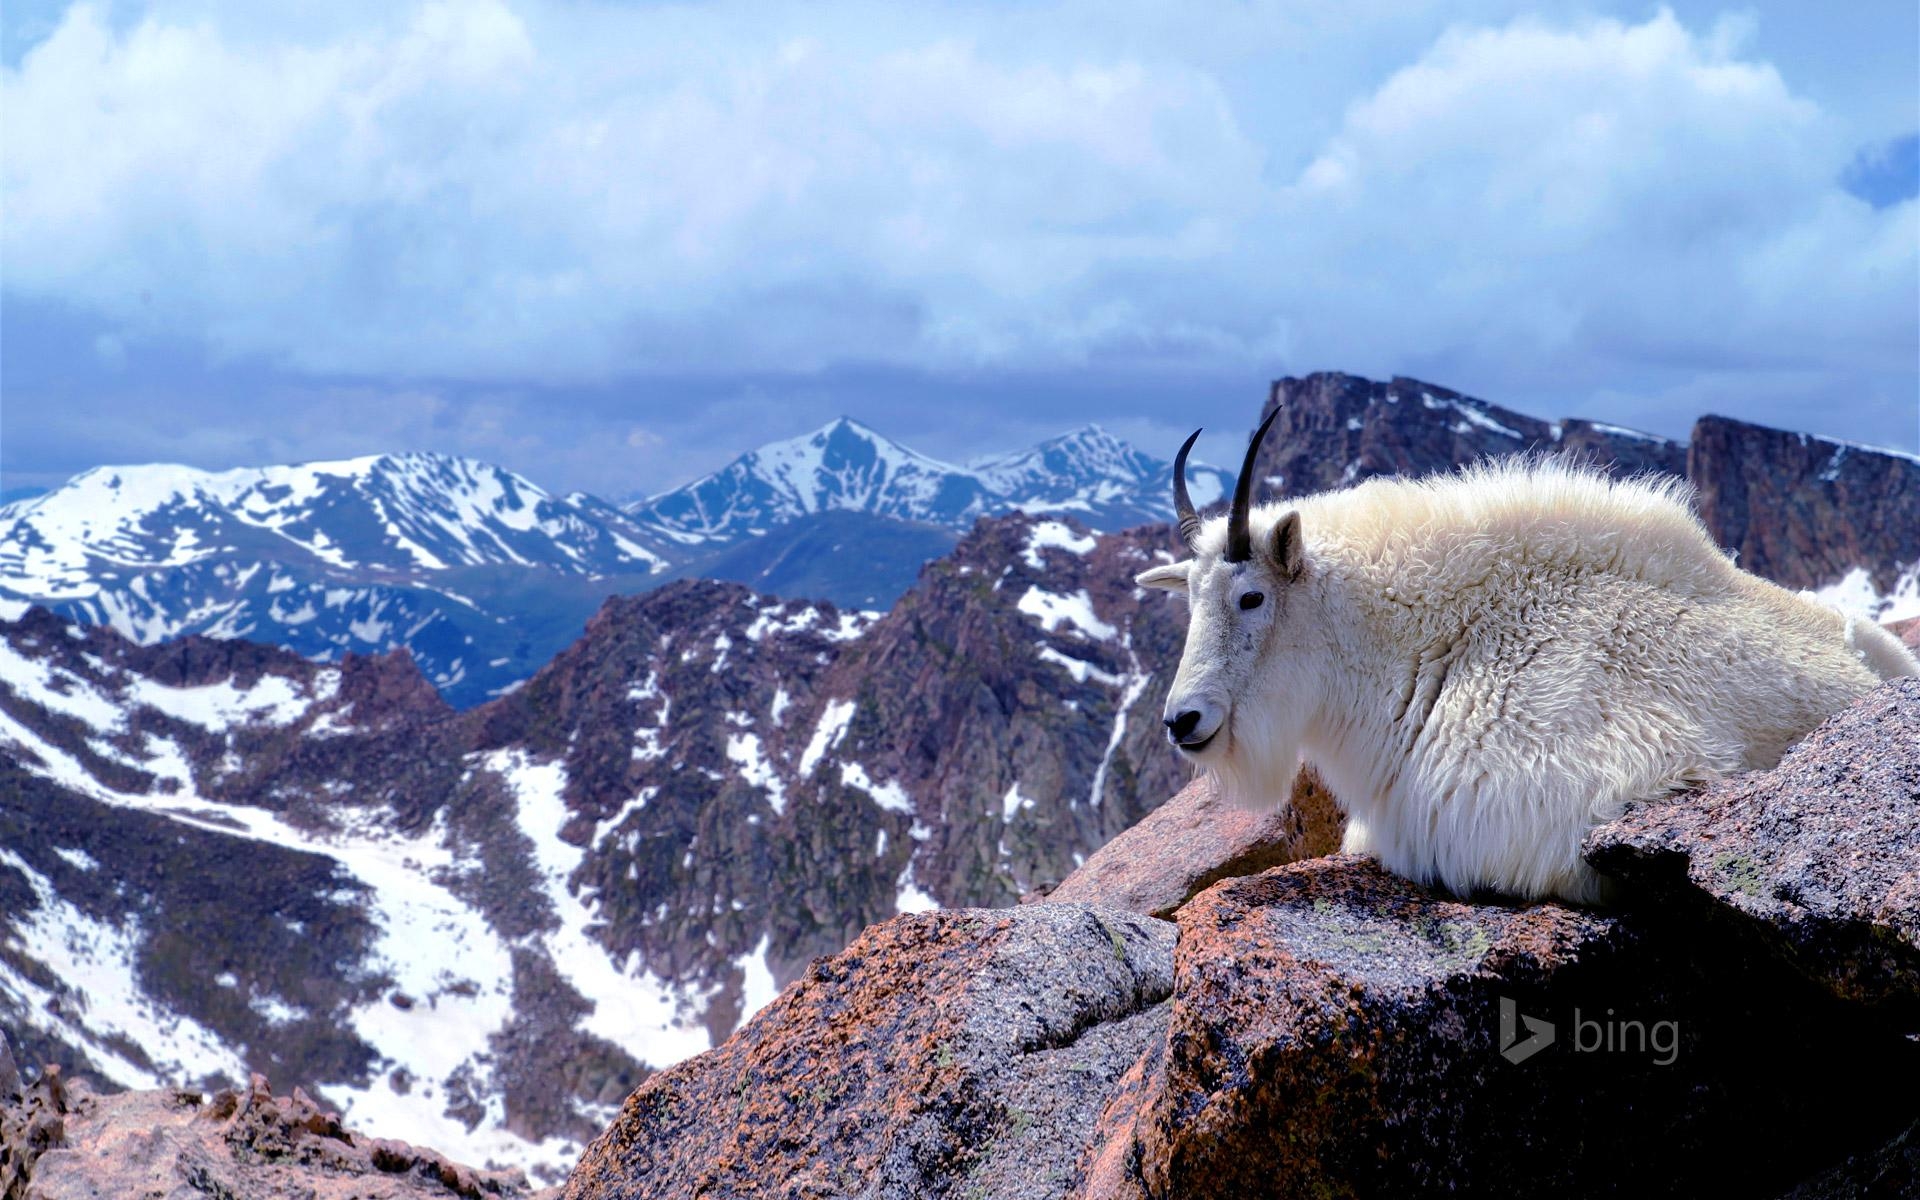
1239, 540
1183, 503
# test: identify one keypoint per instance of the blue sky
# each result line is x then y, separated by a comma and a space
610, 245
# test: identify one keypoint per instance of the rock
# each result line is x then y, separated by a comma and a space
1887, 1171
9, 1073
1908, 631
1323, 1028
1804, 511
242, 1145
1337, 1031
956, 1053
1800, 510
1336, 429
1197, 839
32, 1122
1818, 858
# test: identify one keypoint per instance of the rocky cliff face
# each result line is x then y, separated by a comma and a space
1336, 429
1803, 511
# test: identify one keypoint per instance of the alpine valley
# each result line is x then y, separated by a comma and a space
466, 807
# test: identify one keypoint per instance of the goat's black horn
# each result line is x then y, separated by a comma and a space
1183, 503
1239, 540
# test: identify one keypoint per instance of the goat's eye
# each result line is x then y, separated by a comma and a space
1252, 600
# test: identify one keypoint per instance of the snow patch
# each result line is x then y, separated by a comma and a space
827, 734
756, 769
1057, 535
890, 795
1076, 610
1855, 595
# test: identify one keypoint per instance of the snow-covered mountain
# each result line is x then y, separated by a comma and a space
483, 576
479, 930
480, 573
844, 466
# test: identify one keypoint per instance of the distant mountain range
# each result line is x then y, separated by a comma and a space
483, 575
480, 573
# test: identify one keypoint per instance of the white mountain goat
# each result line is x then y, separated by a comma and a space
1486, 664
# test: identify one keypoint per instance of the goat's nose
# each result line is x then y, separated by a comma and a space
1183, 724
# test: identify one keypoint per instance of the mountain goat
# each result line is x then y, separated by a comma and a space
1486, 664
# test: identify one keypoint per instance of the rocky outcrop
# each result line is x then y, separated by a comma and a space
1324, 1028
1819, 858
63, 1141
1889, 1170
1337, 1031
1197, 839
960, 1053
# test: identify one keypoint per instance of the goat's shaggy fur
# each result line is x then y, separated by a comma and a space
1485, 665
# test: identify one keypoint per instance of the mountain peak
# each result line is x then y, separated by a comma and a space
846, 424
848, 466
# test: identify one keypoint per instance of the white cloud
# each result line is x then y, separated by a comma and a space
573, 192
463, 193
1607, 193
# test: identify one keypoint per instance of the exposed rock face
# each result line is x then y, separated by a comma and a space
1336, 429
1015, 695
1804, 511
960, 1053
1819, 857
72, 1144
1197, 839
640, 845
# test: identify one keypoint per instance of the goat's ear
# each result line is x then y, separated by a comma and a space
1170, 577
1289, 554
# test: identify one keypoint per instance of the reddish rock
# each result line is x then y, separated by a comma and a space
1336, 1032
1336, 429
961, 1053
1803, 511
243, 1145
1908, 631
1818, 858
32, 1122
1197, 839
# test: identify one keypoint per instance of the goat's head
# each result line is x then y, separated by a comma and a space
1242, 589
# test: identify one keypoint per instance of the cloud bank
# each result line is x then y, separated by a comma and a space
560, 194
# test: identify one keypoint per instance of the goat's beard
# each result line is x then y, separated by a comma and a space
1259, 766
